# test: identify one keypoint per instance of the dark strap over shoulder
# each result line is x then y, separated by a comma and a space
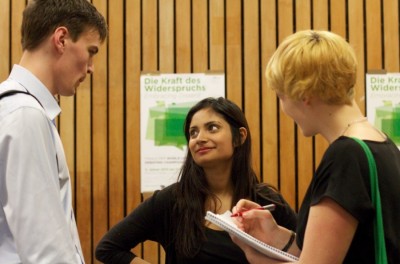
12, 92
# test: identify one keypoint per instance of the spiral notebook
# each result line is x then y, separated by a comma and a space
225, 222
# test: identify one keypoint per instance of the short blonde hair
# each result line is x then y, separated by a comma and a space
314, 63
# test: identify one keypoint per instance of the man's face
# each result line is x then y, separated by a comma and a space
77, 62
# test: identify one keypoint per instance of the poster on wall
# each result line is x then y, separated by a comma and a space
165, 100
383, 103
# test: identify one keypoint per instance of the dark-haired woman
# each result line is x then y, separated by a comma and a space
216, 174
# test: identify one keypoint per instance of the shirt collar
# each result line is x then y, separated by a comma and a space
35, 87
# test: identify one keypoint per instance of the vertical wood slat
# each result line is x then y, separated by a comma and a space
99, 141
200, 36
286, 125
116, 113
320, 15
320, 18
269, 100
183, 36
67, 134
391, 35
132, 72
338, 17
149, 35
304, 152
217, 35
166, 33
251, 76
303, 15
83, 189
5, 43
17, 7
150, 63
357, 40
373, 34
234, 51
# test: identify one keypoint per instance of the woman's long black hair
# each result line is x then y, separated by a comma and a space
192, 187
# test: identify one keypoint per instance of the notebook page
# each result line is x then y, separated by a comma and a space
225, 222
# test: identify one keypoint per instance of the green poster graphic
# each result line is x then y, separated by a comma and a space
165, 124
165, 100
383, 103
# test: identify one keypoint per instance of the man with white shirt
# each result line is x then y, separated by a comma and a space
37, 223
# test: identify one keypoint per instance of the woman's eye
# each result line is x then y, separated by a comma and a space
213, 128
193, 133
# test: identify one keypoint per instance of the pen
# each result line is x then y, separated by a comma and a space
269, 207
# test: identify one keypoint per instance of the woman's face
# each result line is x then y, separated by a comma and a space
296, 109
210, 139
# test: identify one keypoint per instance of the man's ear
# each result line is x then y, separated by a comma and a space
59, 36
243, 135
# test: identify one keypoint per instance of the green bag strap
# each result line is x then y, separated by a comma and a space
379, 235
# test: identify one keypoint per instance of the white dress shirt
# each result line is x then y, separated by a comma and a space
37, 223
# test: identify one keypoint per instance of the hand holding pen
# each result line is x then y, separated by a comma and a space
269, 207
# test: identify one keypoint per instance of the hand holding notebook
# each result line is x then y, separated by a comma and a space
225, 222
269, 207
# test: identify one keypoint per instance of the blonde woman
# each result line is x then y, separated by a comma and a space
313, 74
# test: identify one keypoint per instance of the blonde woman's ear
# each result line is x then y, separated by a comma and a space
307, 100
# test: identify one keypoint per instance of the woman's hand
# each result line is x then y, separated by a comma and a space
261, 225
258, 223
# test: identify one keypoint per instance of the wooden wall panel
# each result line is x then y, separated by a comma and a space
200, 36
286, 160
66, 127
251, 75
320, 22
166, 33
150, 36
338, 17
17, 7
116, 102
303, 15
5, 43
183, 35
373, 34
269, 101
305, 145
391, 36
357, 40
98, 141
217, 34
99, 127
83, 188
320, 14
133, 35
234, 46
